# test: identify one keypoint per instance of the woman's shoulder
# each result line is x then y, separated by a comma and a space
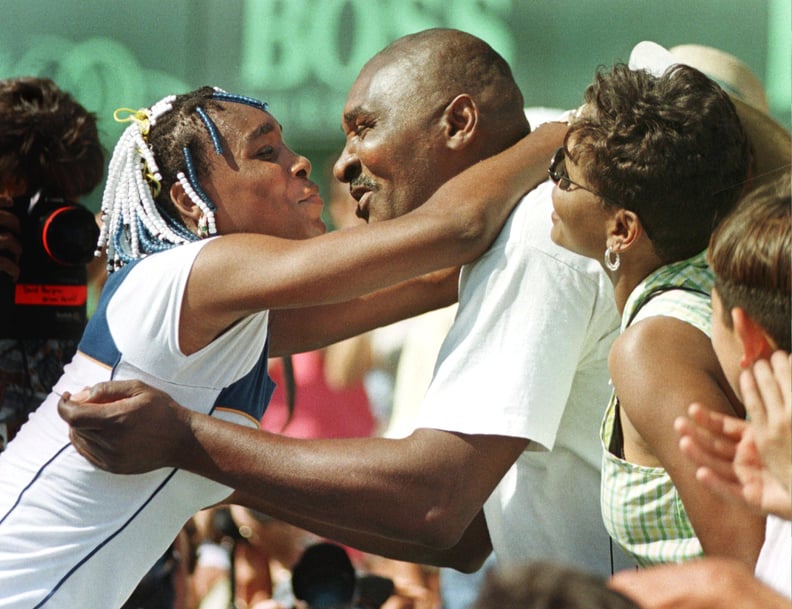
693, 307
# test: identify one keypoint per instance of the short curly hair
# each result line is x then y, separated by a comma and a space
48, 139
670, 148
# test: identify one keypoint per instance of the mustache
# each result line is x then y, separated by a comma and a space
364, 181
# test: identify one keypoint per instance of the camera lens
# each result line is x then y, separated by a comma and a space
69, 235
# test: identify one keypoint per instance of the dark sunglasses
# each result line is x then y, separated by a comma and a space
558, 173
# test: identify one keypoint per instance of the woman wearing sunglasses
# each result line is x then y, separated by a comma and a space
649, 166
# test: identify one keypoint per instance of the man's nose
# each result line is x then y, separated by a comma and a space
347, 166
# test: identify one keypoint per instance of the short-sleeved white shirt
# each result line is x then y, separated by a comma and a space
774, 566
527, 357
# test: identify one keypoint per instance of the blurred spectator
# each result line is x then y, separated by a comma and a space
50, 156
543, 585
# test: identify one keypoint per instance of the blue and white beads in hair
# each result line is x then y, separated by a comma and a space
207, 225
221, 95
161, 107
132, 225
193, 175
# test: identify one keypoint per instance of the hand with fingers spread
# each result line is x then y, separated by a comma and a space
734, 456
766, 390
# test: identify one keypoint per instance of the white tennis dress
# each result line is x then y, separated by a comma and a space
75, 537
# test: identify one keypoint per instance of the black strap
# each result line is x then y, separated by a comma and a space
616, 444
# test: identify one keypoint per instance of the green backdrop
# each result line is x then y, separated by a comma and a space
302, 55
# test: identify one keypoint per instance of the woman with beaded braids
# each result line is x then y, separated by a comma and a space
217, 259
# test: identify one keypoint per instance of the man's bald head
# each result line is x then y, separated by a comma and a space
425, 108
438, 64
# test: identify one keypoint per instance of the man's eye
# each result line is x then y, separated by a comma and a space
266, 153
361, 129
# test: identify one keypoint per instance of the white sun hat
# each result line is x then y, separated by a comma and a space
772, 145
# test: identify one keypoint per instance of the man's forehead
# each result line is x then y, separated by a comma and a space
378, 88
359, 100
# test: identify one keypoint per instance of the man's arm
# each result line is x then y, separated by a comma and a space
455, 225
310, 328
467, 555
425, 489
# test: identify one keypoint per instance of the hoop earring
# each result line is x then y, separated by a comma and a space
203, 227
612, 259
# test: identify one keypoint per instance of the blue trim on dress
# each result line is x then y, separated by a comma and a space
252, 393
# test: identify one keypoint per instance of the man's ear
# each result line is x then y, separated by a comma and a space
756, 344
459, 121
184, 205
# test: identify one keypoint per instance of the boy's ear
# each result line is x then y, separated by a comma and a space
184, 205
460, 119
756, 344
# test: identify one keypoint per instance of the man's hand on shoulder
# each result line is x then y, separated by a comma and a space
126, 427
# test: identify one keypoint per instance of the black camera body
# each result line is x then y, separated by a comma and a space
49, 298
324, 578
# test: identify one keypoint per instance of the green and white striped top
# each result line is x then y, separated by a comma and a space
641, 508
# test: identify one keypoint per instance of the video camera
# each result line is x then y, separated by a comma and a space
48, 300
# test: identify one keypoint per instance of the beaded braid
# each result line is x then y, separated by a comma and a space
129, 214
221, 95
206, 224
138, 217
211, 128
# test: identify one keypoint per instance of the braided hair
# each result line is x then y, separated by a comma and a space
164, 144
